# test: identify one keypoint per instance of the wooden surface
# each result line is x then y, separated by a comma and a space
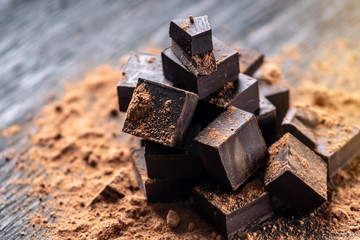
46, 43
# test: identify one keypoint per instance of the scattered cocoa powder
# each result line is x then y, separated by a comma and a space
185, 26
84, 125
66, 143
11, 131
205, 62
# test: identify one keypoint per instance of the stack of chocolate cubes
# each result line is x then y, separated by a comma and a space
206, 125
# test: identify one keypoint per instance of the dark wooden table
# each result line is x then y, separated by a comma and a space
46, 43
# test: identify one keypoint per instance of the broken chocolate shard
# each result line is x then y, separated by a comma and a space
296, 175
118, 186
232, 212
279, 95
227, 62
200, 64
296, 123
232, 147
250, 61
155, 189
139, 65
192, 37
242, 93
159, 113
335, 140
266, 117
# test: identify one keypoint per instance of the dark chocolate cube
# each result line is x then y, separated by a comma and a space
278, 94
266, 117
139, 65
250, 61
296, 175
192, 37
227, 70
232, 147
169, 162
231, 212
296, 122
162, 190
200, 64
335, 140
159, 113
243, 93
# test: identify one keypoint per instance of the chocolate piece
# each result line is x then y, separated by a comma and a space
159, 189
192, 37
296, 175
250, 61
231, 212
296, 122
168, 162
278, 94
200, 64
335, 140
266, 117
227, 70
159, 113
144, 65
243, 93
118, 186
232, 147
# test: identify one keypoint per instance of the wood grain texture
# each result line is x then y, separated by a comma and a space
44, 44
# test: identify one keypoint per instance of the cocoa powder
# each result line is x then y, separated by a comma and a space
82, 127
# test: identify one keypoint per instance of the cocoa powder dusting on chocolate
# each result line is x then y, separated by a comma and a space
185, 26
225, 94
141, 106
229, 201
205, 62
143, 116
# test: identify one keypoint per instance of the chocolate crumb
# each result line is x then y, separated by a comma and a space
191, 19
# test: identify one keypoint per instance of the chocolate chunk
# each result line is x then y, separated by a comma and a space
192, 37
156, 189
335, 140
250, 61
231, 212
227, 62
278, 94
296, 175
243, 93
296, 123
169, 162
159, 113
144, 65
118, 186
266, 117
200, 64
232, 147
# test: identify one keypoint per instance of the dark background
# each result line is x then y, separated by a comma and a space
46, 43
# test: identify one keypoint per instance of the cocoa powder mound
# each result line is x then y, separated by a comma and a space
78, 146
